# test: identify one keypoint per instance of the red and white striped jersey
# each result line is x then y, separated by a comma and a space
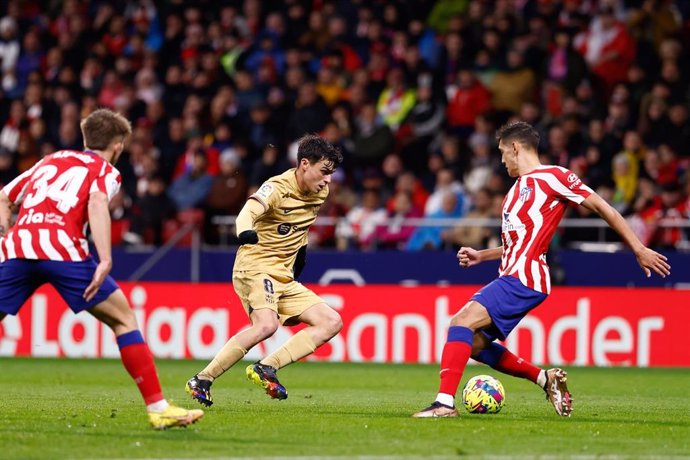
53, 197
532, 210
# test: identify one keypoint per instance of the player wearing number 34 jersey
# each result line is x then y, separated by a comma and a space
57, 198
54, 195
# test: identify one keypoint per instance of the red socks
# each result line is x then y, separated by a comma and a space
138, 361
498, 357
456, 353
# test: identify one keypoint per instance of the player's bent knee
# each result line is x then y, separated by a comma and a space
266, 329
334, 324
461, 318
329, 320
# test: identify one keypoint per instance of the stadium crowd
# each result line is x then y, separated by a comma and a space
411, 91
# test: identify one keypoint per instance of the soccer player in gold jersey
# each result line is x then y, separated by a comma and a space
272, 231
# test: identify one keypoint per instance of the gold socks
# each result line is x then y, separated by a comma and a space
224, 359
299, 346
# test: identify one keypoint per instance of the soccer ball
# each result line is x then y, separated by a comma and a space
483, 394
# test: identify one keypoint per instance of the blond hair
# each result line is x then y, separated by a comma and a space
103, 127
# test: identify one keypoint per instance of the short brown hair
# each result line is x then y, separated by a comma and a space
519, 131
315, 148
103, 127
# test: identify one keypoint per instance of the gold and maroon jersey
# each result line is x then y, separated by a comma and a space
282, 228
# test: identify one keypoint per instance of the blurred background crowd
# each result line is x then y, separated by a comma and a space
411, 91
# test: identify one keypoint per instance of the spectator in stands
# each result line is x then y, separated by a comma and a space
481, 165
192, 187
358, 228
396, 100
651, 21
475, 236
194, 144
9, 52
14, 123
431, 237
373, 139
271, 163
678, 135
194, 75
514, 85
625, 179
261, 129
446, 182
340, 200
228, 192
395, 233
607, 48
408, 183
653, 125
467, 99
451, 155
150, 213
668, 207
310, 113
423, 124
566, 67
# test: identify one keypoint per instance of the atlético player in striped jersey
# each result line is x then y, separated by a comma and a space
532, 210
56, 199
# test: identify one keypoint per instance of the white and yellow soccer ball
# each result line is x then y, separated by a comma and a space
483, 394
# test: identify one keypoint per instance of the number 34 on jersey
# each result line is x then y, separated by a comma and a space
53, 197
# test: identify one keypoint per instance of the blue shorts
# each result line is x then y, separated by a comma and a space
508, 301
19, 278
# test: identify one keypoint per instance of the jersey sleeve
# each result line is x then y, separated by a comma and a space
16, 189
107, 181
568, 185
269, 194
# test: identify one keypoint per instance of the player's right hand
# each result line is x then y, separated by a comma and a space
651, 260
248, 237
99, 276
468, 257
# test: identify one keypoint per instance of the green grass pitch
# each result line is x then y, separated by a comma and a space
53, 409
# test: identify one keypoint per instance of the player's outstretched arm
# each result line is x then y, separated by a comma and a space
649, 260
469, 257
5, 213
99, 221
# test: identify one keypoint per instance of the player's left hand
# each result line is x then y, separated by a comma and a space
651, 260
99, 276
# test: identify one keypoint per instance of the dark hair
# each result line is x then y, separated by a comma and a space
519, 131
103, 127
315, 148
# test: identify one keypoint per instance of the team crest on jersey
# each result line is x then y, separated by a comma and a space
525, 193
